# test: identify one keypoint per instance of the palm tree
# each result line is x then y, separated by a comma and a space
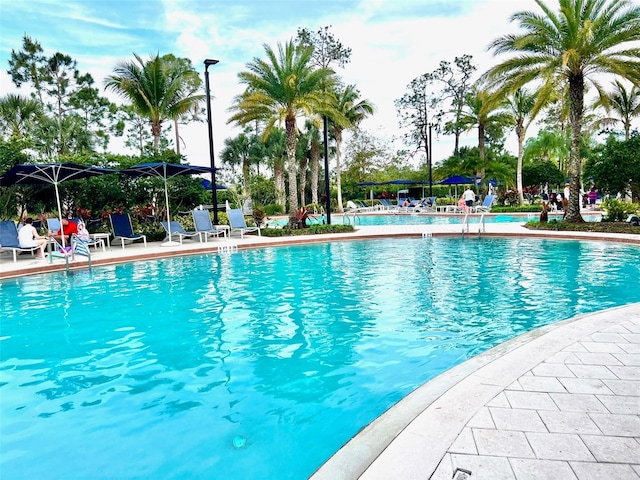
281, 88
523, 109
314, 136
239, 150
155, 89
485, 112
585, 37
17, 113
352, 111
624, 103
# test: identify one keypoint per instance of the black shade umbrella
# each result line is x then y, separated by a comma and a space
165, 171
50, 174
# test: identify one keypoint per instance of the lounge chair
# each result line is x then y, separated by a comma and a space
177, 230
238, 223
486, 204
123, 230
203, 225
9, 239
53, 224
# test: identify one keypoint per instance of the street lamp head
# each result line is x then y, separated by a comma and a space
210, 61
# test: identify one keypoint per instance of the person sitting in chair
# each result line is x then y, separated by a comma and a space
29, 237
68, 228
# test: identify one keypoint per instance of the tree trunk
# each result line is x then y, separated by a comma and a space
290, 128
303, 179
279, 183
480, 172
156, 129
175, 122
520, 132
576, 108
338, 136
315, 169
246, 177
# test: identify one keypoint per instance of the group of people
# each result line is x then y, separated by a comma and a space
29, 237
466, 200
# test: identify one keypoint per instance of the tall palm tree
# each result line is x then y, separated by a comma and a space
276, 151
484, 111
281, 88
523, 108
352, 111
584, 38
625, 104
155, 89
314, 136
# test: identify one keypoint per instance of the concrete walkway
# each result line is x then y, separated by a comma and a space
561, 402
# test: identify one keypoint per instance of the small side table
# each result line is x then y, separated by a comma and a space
103, 237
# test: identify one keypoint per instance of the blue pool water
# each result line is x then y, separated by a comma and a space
261, 364
408, 219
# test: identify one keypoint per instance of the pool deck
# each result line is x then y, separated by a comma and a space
560, 402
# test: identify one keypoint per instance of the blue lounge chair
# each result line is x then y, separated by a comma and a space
123, 230
202, 223
53, 224
177, 230
9, 239
486, 204
238, 223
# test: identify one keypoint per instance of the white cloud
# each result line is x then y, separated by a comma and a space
389, 47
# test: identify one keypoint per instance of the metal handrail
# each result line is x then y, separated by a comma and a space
482, 227
465, 223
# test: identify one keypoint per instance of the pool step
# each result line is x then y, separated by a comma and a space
227, 248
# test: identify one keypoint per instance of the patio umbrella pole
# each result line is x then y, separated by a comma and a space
168, 243
55, 186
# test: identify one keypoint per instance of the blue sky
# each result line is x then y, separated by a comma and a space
392, 42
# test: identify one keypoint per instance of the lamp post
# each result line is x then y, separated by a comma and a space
214, 192
327, 192
430, 162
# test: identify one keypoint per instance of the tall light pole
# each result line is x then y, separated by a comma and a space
430, 162
214, 190
327, 192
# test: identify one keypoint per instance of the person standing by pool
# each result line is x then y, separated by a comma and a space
593, 196
29, 237
469, 196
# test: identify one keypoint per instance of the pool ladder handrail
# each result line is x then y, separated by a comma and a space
355, 217
482, 227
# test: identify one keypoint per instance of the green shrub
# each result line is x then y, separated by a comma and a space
312, 230
516, 209
617, 210
273, 209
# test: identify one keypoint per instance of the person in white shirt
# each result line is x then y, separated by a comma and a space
29, 237
469, 197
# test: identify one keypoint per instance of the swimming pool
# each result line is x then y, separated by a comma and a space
409, 219
261, 364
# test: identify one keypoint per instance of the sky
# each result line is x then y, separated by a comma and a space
392, 42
